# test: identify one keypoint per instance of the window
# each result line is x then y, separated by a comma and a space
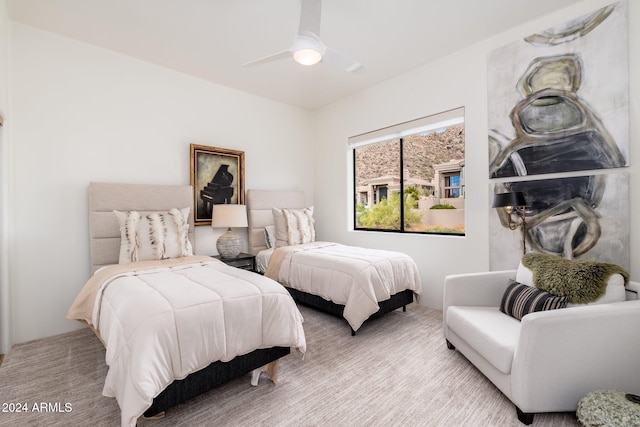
410, 177
452, 186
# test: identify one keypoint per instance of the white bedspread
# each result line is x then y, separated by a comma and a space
162, 323
353, 276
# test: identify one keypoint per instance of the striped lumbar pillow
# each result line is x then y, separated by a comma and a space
519, 300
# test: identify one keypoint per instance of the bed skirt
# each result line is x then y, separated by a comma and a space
213, 376
401, 299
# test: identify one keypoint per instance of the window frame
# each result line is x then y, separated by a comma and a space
446, 119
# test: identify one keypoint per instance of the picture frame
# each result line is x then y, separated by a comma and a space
217, 177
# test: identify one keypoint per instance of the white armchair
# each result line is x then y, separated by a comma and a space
551, 359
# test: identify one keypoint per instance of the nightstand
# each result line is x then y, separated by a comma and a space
243, 261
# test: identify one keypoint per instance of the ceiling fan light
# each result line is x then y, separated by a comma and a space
307, 56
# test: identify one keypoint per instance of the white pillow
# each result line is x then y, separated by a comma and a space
615, 286
293, 226
524, 275
153, 235
270, 236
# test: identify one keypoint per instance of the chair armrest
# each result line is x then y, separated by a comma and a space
476, 289
564, 354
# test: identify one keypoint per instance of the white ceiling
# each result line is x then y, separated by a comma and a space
211, 39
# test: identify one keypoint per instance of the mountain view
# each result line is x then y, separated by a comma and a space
421, 152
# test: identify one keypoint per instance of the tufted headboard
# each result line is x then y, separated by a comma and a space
259, 204
104, 198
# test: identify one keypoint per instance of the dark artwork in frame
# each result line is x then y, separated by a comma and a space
217, 177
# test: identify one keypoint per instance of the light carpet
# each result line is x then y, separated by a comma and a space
397, 371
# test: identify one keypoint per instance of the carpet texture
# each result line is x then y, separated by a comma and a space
396, 371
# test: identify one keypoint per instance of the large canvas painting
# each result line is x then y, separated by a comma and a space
558, 116
584, 217
558, 99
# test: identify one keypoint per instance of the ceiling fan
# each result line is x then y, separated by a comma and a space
307, 48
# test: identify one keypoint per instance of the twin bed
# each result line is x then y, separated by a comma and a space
176, 325
351, 282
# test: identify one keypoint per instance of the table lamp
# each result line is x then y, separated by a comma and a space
229, 243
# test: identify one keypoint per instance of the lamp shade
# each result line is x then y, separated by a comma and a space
229, 216
512, 198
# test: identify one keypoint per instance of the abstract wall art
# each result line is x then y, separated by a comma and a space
559, 100
558, 116
584, 216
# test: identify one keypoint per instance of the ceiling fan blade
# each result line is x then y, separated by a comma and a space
273, 57
310, 13
337, 59
308, 40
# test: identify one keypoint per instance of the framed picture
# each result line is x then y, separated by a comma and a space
217, 177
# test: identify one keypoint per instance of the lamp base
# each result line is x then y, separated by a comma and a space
229, 244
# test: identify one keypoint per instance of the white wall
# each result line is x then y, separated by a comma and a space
5, 305
82, 113
454, 81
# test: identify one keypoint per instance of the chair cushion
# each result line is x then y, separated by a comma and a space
519, 300
491, 333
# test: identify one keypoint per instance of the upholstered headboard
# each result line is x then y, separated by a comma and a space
104, 198
259, 204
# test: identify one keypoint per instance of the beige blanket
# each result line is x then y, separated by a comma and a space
280, 254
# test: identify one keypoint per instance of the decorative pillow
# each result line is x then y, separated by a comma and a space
519, 300
615, 292
270, 236
524, 275
153, 235
615, 289
293, 226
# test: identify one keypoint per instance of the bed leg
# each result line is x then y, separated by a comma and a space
404, 308
255, 376
271, 369
353, 333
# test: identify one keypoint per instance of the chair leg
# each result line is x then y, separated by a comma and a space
450, 346
524, 417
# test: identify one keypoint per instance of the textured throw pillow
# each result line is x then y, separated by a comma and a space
581, 281
615, 287
153, 235
270, 236
294, 226
519, 300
